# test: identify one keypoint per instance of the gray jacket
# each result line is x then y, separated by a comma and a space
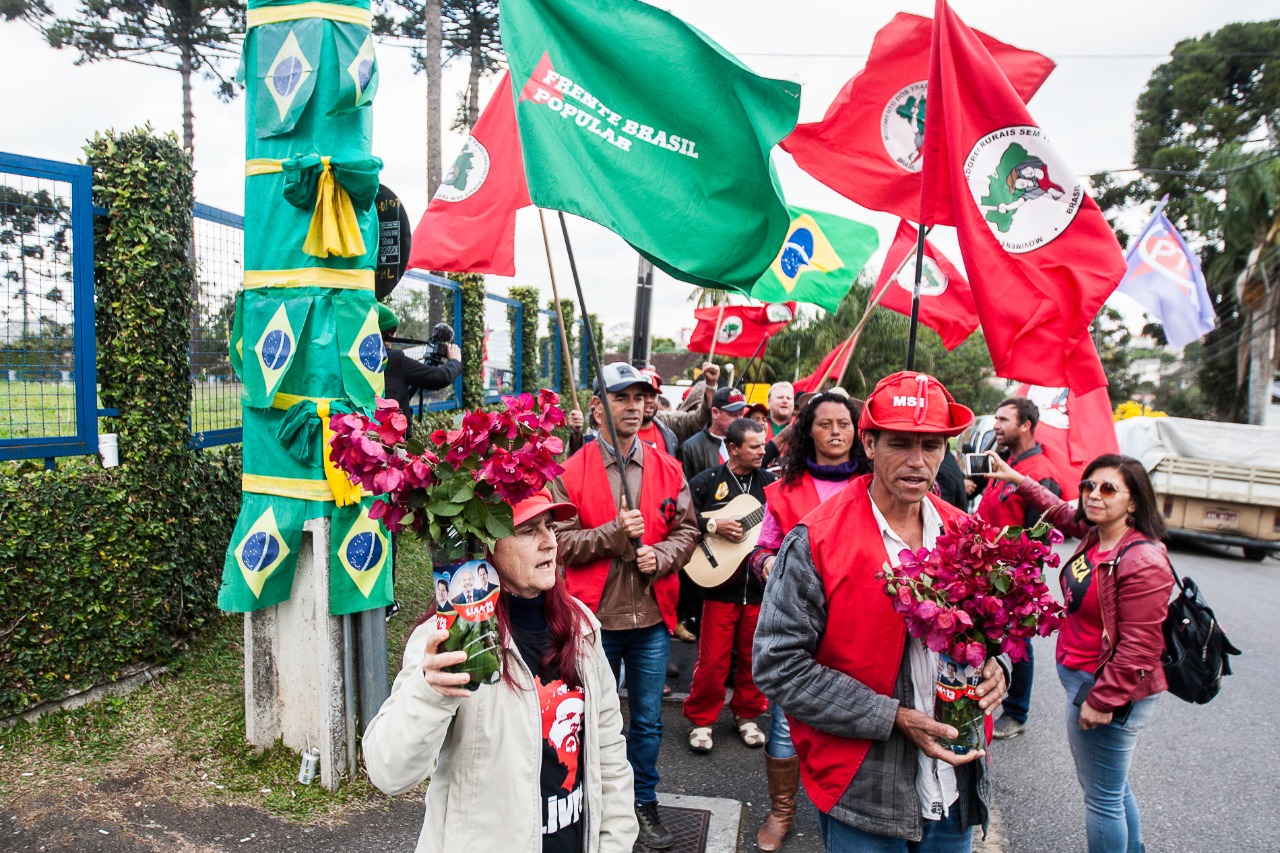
882, 797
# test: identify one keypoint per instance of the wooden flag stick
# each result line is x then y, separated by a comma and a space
715, 335
567, 361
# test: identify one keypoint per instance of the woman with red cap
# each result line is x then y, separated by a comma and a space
536, 762
822, 459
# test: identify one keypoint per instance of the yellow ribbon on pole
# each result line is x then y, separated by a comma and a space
335, 229
345, 492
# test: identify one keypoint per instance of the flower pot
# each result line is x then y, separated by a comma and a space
955, 703
467, 590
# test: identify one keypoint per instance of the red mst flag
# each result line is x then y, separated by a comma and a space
946, 302
1074, 428
867, 146
1040, 256
831, 367
742, 329
470, 224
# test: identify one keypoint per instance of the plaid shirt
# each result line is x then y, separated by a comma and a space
882, 797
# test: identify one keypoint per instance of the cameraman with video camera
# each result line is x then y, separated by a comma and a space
404, 375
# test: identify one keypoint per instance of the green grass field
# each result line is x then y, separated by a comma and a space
48, 409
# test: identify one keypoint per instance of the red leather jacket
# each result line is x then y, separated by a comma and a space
1133, 594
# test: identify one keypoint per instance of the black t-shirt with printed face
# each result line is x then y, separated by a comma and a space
561, 709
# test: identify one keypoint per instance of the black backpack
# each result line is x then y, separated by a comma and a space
1196, 650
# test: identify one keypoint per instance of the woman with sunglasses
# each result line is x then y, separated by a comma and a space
536, 762
821, 458
1116, 589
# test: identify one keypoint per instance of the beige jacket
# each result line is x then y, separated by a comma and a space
483, 755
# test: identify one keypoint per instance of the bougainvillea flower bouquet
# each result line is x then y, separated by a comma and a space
456, 491
979, 592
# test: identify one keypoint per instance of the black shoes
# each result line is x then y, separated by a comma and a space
652, 832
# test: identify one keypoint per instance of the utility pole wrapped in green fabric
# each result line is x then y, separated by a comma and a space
305, 340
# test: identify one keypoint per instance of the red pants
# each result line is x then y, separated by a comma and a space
725, 627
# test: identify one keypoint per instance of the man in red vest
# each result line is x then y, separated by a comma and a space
1015, 430
622, 562
833, 653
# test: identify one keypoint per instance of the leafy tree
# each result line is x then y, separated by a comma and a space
665, 345
471, 30
1114, 343
1207, 135
187, 36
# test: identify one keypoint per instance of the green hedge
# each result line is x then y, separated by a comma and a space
104, 569
528, 299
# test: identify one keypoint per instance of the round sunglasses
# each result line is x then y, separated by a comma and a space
1106, 489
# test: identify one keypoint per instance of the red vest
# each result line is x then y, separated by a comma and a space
791, 502
1000, 505
864, 638
587, 484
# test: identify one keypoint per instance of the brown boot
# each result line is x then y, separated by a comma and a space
784, 781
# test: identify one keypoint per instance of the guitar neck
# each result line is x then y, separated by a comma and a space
750, 521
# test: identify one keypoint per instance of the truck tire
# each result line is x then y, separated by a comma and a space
1256, 554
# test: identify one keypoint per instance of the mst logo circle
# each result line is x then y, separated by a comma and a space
730, 330
902, 126
778, 312
1026, 193
933, 281
467, 174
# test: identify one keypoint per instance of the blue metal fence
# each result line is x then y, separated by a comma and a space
422, 300
215, 388
48, 372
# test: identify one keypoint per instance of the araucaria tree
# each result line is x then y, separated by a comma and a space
187, 36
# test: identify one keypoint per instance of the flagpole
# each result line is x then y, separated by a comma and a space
852, 340
763, 342
922, 230
594, 355
555, 296
716, 336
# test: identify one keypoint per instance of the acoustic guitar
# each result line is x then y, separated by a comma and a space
716, 559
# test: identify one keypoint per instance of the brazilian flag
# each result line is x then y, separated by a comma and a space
819, 260
273, 327
358, 76
258, 569
360, 561
361, 351
288, 61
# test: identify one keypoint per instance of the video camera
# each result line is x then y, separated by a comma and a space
437, 344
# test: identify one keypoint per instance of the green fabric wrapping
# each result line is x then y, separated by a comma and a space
273, 328
360, 561
299, 431
235, 346
359, 79
319, 332
359, 177
265, 455
263, 553
289, 56
276, 241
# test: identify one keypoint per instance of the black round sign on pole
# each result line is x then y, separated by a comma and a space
395, 236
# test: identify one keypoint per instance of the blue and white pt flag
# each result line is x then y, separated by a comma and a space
1164, 277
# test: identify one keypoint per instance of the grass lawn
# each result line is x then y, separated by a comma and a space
184, 732
48, 409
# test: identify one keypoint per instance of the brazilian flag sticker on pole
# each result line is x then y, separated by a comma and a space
360, 561
258, 569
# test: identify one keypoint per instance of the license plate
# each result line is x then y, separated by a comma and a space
1220, 516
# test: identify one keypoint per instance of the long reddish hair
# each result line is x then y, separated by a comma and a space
566, 624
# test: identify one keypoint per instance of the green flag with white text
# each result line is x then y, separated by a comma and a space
819, 260
633, 119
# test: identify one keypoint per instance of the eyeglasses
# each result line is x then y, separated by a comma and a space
1107, 490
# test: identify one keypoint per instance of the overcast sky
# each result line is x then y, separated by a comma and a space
1105, 53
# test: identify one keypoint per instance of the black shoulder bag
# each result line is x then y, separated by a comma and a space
1196, 650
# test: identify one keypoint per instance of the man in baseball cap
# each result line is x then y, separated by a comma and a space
830, 648
622, 562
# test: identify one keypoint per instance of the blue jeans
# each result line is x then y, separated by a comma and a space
1102, 757
779, 744
645, 652
940, 836
1017, 702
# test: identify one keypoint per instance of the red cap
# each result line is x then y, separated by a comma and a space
913, 402
538, 503
653, 376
